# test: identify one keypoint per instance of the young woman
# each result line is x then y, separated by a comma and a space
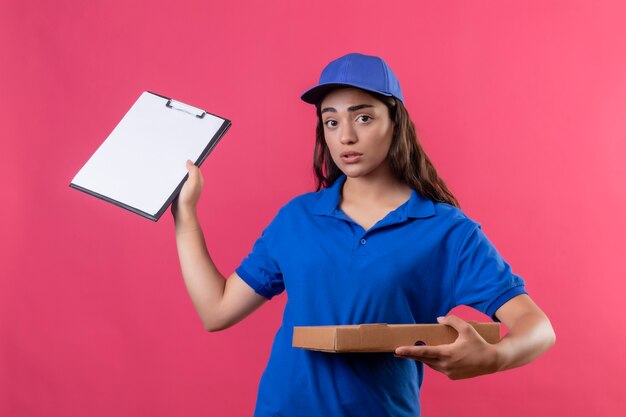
382, 240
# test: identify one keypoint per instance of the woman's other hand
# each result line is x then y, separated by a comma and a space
468, 356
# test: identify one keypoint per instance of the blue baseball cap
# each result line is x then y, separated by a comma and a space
366, 72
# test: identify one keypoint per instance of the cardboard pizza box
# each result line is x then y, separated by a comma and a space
383, 337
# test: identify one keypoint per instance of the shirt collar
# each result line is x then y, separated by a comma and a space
418, 206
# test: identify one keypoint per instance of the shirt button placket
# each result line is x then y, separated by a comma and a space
360, 247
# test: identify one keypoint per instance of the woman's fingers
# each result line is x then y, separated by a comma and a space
463, 328
191, 168
421, 352
192, 188
195, 175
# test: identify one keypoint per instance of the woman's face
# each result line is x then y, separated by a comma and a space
357, 130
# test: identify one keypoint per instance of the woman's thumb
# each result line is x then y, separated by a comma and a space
189, 166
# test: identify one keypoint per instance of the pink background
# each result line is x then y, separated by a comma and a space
520, 105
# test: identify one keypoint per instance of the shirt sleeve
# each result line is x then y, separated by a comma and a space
259, 269
484, 280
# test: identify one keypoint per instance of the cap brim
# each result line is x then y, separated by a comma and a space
316, 94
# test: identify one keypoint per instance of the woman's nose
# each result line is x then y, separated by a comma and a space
348, 135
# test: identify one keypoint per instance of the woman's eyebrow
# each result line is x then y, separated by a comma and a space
350, 109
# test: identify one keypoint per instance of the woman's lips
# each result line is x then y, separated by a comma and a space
350, 157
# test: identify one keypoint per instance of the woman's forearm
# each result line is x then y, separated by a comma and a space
530, 337
204, 282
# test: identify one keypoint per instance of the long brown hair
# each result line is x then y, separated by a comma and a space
408, 161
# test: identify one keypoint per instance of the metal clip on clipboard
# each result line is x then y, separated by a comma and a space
177, 105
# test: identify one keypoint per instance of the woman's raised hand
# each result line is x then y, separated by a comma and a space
187, 199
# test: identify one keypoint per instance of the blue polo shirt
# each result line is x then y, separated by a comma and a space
415, 264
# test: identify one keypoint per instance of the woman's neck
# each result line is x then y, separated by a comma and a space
380, 189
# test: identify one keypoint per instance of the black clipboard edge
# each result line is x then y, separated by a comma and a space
117, 203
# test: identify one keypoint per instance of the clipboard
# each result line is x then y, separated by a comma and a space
141, 165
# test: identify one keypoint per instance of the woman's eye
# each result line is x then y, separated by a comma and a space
330, 123
364, 118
